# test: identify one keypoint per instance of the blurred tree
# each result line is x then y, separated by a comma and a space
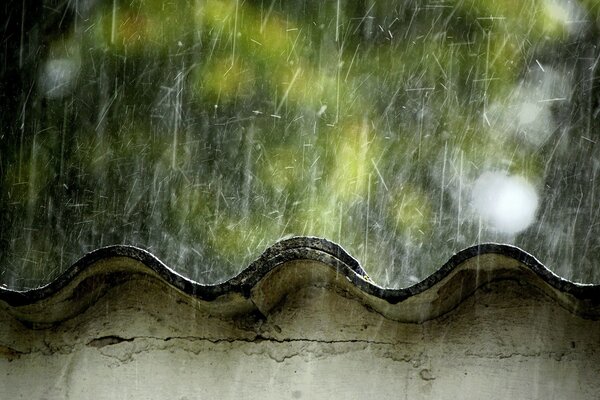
206, 130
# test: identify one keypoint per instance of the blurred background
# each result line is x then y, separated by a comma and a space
204, 131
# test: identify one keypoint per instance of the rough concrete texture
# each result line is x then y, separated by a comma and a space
305, 330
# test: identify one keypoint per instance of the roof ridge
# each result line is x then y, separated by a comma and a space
506, 262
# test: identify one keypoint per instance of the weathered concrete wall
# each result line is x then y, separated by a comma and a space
308, 333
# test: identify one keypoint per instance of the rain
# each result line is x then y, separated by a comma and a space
206, 131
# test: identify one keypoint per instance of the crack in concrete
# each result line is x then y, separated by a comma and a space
113, 340
107, 341
558, 356
313, 348
320, 347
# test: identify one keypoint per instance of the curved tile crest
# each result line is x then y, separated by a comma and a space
294, 262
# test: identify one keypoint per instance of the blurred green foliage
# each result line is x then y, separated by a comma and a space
207, 130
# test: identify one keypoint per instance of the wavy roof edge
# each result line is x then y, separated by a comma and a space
440, 292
